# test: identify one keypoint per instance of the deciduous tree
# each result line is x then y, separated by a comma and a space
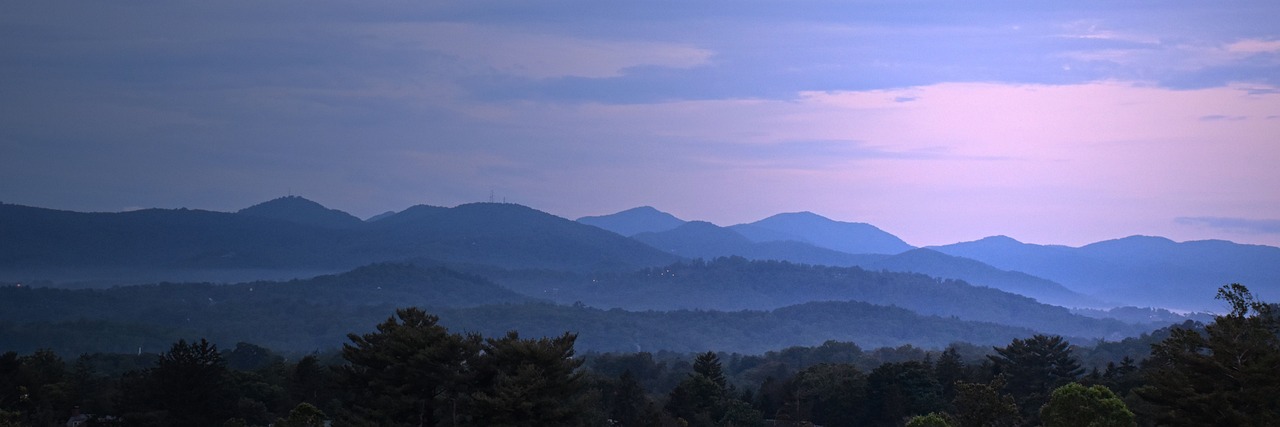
1074, 405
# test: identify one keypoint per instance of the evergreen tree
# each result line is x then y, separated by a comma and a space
830, 395
1229, 375
411, 372
189, 385
628, 404
528, 382
949, 369
1034, 368
898, 390
310, 382
708, 365
698, 400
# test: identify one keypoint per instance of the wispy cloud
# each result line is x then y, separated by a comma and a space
1254, 46
1243, 225
535, 54
1220, 118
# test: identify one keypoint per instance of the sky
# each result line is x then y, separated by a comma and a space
1049, 122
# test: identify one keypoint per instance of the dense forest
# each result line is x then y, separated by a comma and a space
410, 371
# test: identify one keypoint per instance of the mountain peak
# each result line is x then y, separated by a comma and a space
998, 239
797, 217
643, 219
300, 210
809, 227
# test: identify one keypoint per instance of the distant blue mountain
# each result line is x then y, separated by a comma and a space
1142, 271
644, 219
380, 216
938, 264
700, 239
298, 210
808, 227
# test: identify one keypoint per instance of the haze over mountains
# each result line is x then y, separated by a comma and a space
489, 266
1137, 270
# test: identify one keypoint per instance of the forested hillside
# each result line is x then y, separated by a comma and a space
293, 234
411, 370
316, 314
737, 284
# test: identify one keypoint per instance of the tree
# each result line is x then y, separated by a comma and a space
1227, 375
949, 369
1074, 405
932, 419
898, 390
708, 365
189, 385
528, 382
411, 372
982, 405
310, 382
628, 405
829, 394
698, 400
740, 414
303, 415
1035, 367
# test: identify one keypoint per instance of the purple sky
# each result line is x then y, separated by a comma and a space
936, 121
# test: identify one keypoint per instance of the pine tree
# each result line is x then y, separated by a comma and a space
528, 382
1034, 368
411, 372
708, 365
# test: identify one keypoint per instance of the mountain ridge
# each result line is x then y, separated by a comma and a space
630, 222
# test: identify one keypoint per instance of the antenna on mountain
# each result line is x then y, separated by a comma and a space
490, 196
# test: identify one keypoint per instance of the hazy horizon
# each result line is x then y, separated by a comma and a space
937, 122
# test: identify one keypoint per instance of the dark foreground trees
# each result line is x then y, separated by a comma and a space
1229, 374
414, 372
189, 385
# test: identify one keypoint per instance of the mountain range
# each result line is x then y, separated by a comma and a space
1137, 270
795, 278
294, 234
1140, 271
296, 237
